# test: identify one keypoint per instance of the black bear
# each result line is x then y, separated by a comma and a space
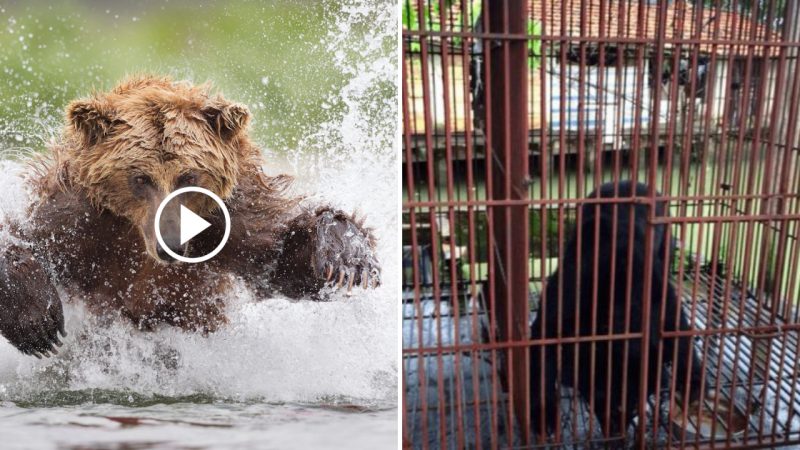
613, 377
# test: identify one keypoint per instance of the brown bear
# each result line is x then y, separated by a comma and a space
91, 229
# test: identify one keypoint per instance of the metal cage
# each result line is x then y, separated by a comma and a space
513, 113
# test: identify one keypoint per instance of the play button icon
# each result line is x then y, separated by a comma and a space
191, 224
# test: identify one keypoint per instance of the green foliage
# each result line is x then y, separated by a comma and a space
461, 231
272, 56
432, 19
534, 45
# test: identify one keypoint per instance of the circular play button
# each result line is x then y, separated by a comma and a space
192, 224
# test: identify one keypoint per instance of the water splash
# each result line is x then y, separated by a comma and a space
273, 349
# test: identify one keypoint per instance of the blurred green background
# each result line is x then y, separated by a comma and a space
281, 58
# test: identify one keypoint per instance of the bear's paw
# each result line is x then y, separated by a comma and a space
345, 252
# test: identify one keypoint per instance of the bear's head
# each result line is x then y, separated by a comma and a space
132, 146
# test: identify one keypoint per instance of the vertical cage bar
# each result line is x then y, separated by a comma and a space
509, 110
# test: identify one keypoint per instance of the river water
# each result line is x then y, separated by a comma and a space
189, 424
281, 374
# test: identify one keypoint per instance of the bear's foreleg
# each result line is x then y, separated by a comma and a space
31, 315
325, 246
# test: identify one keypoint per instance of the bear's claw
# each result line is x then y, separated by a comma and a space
341, 278
31, 316
330, 273
39, 339
344, 252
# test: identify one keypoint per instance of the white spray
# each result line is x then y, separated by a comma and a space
273, 349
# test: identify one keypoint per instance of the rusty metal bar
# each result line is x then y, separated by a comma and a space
621, 199
508, 72
601, 39
699, 101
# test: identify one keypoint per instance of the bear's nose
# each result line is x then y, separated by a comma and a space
164, 256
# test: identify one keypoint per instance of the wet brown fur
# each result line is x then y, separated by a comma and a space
97, 239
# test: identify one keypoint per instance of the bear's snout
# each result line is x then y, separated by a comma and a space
173, 241
171, 235
164, 256
170, 230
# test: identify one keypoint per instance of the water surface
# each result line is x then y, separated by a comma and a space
188, 424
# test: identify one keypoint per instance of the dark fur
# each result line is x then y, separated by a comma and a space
614, 407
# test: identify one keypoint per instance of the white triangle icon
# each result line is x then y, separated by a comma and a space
191, 224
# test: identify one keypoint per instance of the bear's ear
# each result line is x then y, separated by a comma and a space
227, 120
91, 119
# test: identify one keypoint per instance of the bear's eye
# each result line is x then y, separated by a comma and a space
141, 180
140, 185
187, 179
